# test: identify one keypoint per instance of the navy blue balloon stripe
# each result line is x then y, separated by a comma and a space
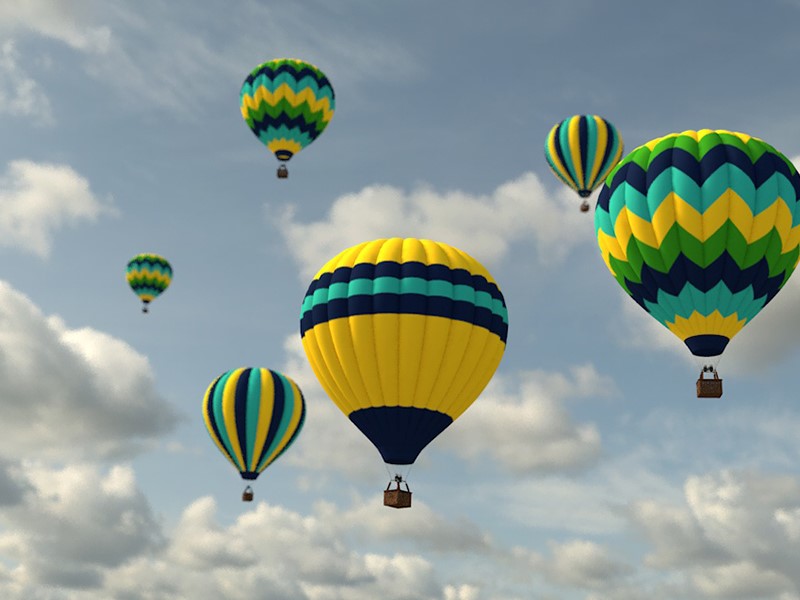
417, 304
407, 269
640, 179
298, 74
210, 413
583, 144
400, 432
278, 406
284, 119
724, 269
240, 414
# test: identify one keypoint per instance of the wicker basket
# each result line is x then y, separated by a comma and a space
247, 494
283, 172
397, 498
709, 388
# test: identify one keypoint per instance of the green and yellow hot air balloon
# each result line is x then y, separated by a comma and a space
581, 152
253, 415
403, 335
287, 103
702, 230
148, 275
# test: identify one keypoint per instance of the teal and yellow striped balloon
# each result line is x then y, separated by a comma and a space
253, 415
287, 103
581, 152
148, 275
403, 335
702, 229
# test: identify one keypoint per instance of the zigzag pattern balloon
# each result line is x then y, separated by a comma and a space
287, 103
148, 275
702, 229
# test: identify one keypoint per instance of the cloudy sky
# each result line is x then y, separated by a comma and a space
587, 470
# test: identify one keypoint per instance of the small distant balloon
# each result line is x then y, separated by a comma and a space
287, 103
253, 415
581, 151
148, 275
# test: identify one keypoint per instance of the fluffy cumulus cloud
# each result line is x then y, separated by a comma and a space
735, 536
576, 563
73, 524
20, 94
36, 199
483, 226
82, 533
529, 429
72, 393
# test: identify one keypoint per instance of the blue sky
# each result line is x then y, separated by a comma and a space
587, 470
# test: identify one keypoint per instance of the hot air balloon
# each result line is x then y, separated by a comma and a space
581, 152
148, 275
253, 416
403, 335
287, 103
701, 229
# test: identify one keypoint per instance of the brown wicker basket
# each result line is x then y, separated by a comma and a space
283, 172
397, 498
247, 494
709, 388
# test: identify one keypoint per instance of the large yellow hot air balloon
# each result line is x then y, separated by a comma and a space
403, 335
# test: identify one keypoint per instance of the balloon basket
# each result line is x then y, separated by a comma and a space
397, 498
283, 172
709, 388
247, 494
585, 206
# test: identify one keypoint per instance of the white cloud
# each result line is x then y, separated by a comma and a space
579, 563
530, 430
74, 523
20, 95
71, 392
36, 199
483, 226
736, 536
65, 22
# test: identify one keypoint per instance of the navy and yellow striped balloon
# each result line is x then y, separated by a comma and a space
253, 415
403, 335
287, 103
148, 275
702, 230
581, 151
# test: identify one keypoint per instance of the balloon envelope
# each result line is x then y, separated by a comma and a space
403, 335
287, 103
253, 415
148, 275
701, 229
582, 150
